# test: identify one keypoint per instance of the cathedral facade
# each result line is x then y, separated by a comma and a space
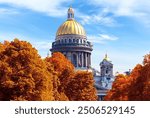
71, 40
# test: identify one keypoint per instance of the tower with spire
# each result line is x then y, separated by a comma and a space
103, 82
106, 68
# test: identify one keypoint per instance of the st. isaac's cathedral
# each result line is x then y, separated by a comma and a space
71, 40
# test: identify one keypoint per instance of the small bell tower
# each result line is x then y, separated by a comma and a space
106, 68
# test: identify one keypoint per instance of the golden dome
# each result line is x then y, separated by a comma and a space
70, 26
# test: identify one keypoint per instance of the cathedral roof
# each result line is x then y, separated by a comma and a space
70, 26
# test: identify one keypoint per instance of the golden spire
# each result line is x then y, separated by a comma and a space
106, 57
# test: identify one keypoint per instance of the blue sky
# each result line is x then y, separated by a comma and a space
120, 28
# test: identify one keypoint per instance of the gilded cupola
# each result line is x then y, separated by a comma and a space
70, 26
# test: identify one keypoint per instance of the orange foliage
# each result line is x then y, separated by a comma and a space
64, 69
81, 87
141, 85
71, 85
119, 89
135, 87
23, 74
62, 66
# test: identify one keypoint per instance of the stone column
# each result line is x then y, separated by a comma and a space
77, 54
72, 57
80, 60
82, 64
90, 58
85, 59
88, 61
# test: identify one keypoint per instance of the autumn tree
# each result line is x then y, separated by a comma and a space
64, 70
23, 74
146, 75
135, 87
125, 86
71, 84
140, 86
119, 89
81, 87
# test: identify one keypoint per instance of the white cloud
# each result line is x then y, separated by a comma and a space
137, 9
118, 7
101, 38
56, 8
50, 7
101, 18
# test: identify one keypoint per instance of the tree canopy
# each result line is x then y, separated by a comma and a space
23, 74
71, 84
135, 87
81, 87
